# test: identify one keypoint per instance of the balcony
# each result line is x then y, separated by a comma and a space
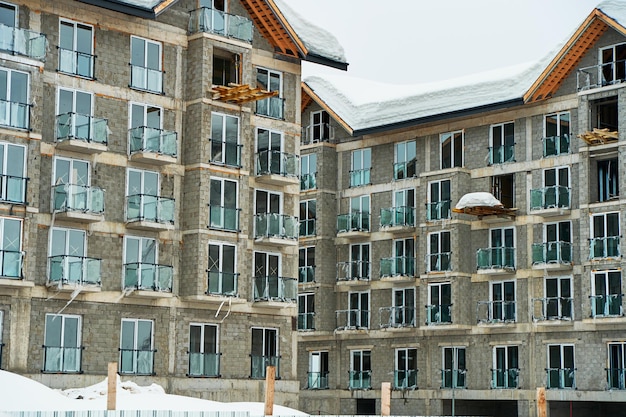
76, 63
81, 133
222, 283
505, 378
23, 42
13, 189
149, 212
204, 365
397, 217
438, 314
360, 177
360, 380
136, 362
609, 305
561, 378
308, 181
616, 378
306, 321
272, 288
556, 145
74, 271
438, 262
397, 316
146, 79
273, 107
11, 264
453, 378
405, 379
499, 260
492, 312
14, 115
214, 21
399, 266
353, 271
438, 210
277, 168
64, 360
140, 276
225, 153
307, 227
153, 146
550, 201
306, 274
352, 319
404, 170
317, 380
600, 75
552, 255
224, 218
553, 308
501, 154
323, 132
354, 224
259, 364
78, 203
604, 247
276, 228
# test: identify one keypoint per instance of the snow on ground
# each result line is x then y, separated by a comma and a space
19, 393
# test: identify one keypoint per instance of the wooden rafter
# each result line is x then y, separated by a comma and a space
306, 100
240, 93
599, 136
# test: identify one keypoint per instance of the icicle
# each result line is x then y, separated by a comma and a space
72, 297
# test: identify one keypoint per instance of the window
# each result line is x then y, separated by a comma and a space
13, 173
438, 258
74, 118
307, 217
269, 80
223, 276
268, 283
76, 49
14, 108
68, 262
62, 344
358, 220
561, 370
403, 211
501, 251
359, 313
502, 143
360, 261
555, 191
11, 248
264, 352
19, 41
8, 15
402, 263
557, 244
558, 302
146, 134
225, 148
403, 307
556, 140
439, 308
318, 370
405, 164
223, 210
204, 356
503, 188
308, 172
606, 290
137, 347
616, 371
269, 220
306, 311
612, 61
226, 67
360, 369
145, 65
608, 179
320, 129
143, 200
270, 158
267, 202
405, 374
141, 268
604, 114
438, 207
505, 371
454, 370
71, 187
502, 308
451, 149
605, 236
306, 264
361, 167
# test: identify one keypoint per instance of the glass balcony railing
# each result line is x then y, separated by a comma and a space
397, 266
259, 364
495, 311
59, 359
360, 177
552, 253
397, 216
501, 154
136, 361
553, 308
23, 42
561, 378
277, 163
147, 79
495, 258
273, 107
307, 227
353, 319
601, 75
306, 321
222, 283
308, 181
224, 218
438, 314
616, 378
276, 225
353, 270
356, 221
317, 380
405, 379
272, 288
556, 145
70, 197
13, 189
604, 247
152, 208
11, 263
316, 133
148, 277
505, 378
555, 196
438, 262
204, 364
226, 153
609, 305
404, 170
215, 21
360, 379
397, 316
76, 63
149, 139
14, 115
82, 127
76, 270
306, 274
438, 210
453, 378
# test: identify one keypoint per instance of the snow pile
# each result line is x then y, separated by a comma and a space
480, 199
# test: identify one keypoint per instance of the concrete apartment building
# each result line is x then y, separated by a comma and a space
149, 192
409, 275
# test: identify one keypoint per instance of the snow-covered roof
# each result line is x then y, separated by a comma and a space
616, 9
142, 8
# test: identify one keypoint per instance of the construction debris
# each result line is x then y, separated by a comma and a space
599, 136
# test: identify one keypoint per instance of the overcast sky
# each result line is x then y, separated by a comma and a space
417, 41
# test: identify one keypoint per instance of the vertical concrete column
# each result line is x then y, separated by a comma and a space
19, 331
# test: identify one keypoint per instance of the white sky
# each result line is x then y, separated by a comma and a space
418, 41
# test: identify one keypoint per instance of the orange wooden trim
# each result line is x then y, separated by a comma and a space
330, 111
288, 27
163, 6
270, 27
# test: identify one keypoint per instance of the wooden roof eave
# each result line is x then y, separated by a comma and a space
325, 106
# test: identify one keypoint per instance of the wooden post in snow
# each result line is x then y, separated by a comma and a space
385, 399
112, 386
542, 404
270, 377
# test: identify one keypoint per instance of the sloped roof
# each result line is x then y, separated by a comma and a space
148, 9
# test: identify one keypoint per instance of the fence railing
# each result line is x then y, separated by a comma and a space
76, 63
222, 283
273, 288
495, 258
356, 221
206, 19
556, 196
82, 127
147, 276
397, 316
553, 308
225, 218
148, 79
153, 140
552, 253
77, 270
24, 42
438, 314
353, 270
276, 225
352, 319
59, 359
82, 198
150, 208
561, 378
397, 216
204, 364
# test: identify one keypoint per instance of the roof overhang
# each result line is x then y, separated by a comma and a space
126, 7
